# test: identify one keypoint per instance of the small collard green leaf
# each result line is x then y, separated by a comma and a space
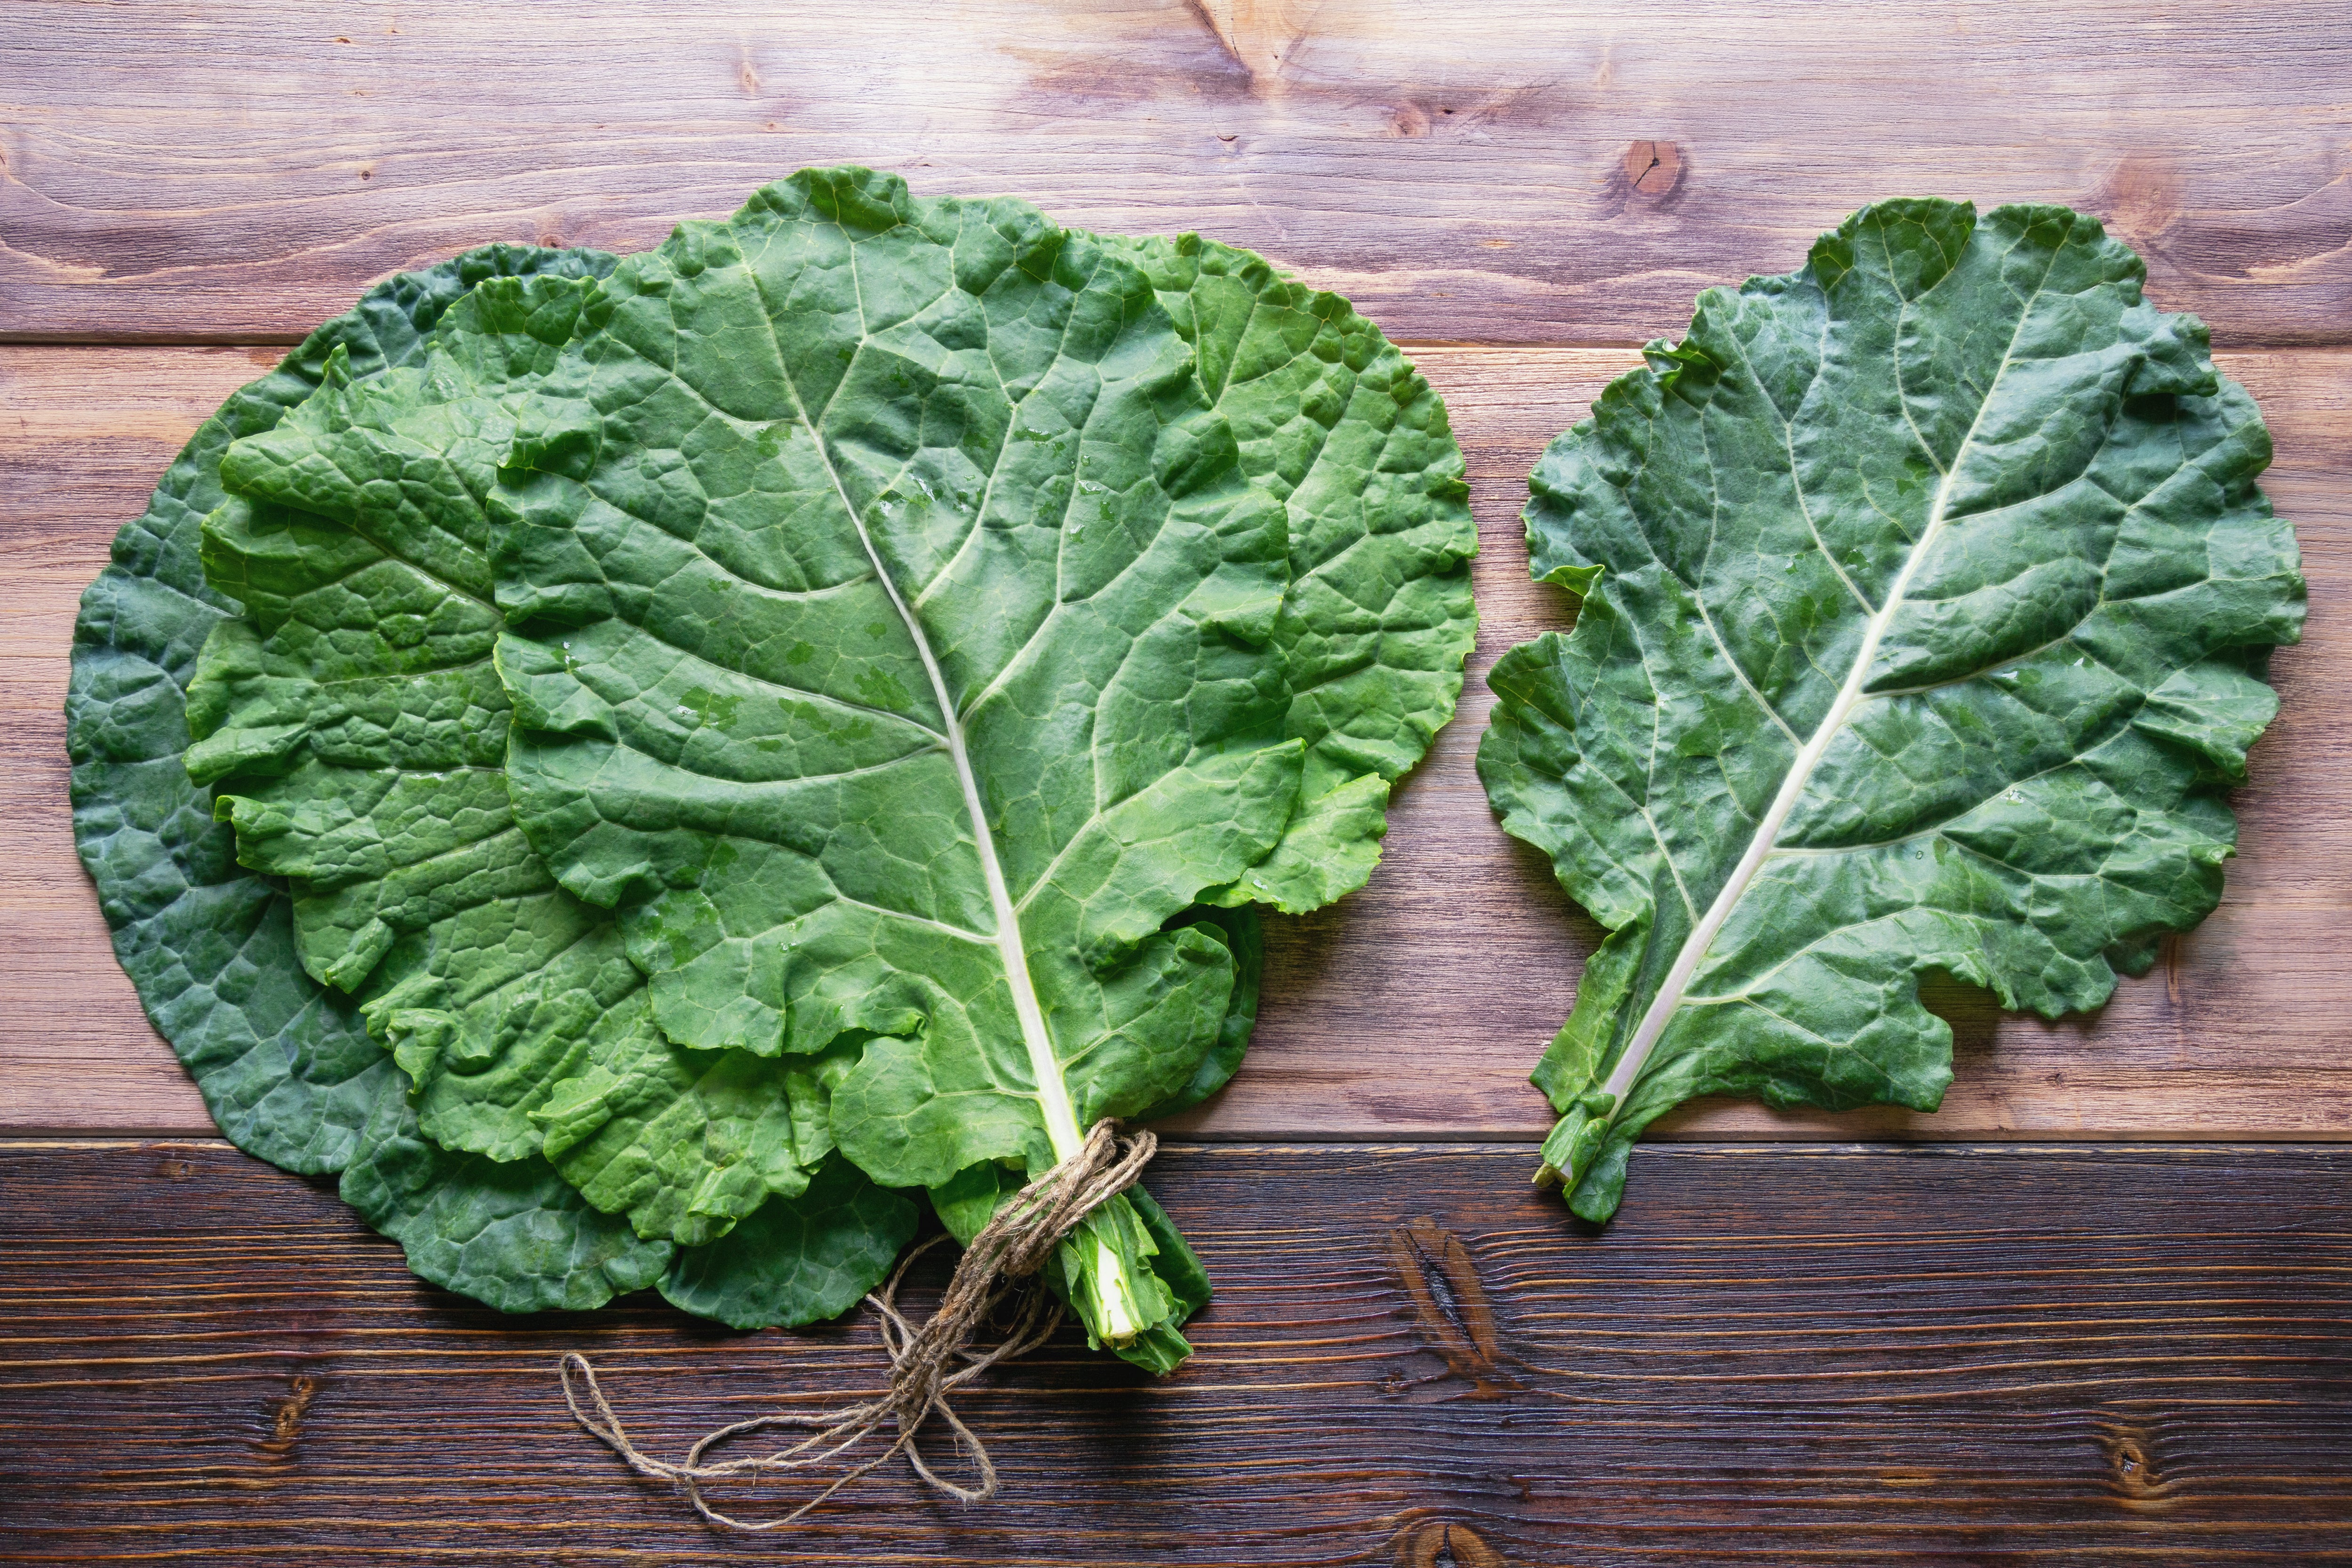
1244, 938
1928, 593
513, 1234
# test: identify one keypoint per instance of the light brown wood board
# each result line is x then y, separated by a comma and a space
1516, 174
1493, 171
1414, 1008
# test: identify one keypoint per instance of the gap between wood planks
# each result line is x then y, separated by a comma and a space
2074, 1146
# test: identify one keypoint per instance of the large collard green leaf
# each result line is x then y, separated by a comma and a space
286, 1069
361, 733
357, 732
1329, 417
1928, 595
901, 661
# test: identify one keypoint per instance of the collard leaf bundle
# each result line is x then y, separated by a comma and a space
744, 733
1928, 598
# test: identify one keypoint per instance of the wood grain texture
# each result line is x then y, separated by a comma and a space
84, 434
2024, 1355
1416, 1008
1490, 171
1949, 1353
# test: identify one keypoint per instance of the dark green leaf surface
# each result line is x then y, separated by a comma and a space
512, 1234
798, 1262
1928, 597
286, 1068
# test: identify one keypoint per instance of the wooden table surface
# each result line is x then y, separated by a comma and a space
2095, 1308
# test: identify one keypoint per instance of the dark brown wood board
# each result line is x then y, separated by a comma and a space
2060, 1354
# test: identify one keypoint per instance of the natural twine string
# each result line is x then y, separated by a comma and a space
1002, 1259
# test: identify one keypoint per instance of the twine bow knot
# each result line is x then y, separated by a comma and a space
1002, 1260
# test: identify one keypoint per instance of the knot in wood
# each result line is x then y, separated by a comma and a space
1651, 171
1442, 1544
1449, 1302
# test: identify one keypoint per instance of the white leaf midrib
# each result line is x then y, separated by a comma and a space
1673, 992
1053, 1092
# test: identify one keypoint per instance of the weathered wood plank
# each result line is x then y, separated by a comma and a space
84, 434
1414, 1008
1785, 1355
1525, 171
